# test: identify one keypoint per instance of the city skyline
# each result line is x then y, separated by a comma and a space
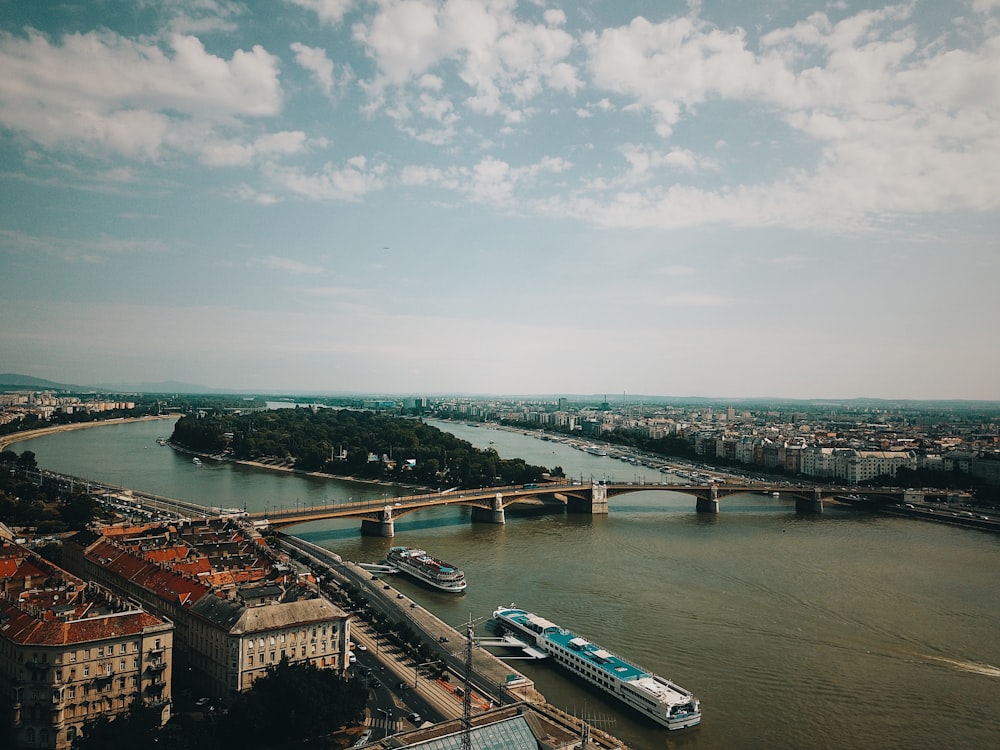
498, 197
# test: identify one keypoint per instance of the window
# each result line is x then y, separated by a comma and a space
123, 648
86, 671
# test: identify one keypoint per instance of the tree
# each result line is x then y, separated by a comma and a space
26, 461
137, 728
291, 703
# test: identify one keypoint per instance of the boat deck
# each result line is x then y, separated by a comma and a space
603, 660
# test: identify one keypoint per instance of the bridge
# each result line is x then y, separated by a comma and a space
488, 504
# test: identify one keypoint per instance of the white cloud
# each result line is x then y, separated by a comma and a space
73, 250
287, 265
330, 12
349, 183
501, 61
103, 93
320, 66
898, 127
490, 181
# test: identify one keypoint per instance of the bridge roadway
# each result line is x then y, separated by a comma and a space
488, 504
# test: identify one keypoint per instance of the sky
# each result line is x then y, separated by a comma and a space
783, 198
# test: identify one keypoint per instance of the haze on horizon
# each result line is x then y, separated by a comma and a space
495, 197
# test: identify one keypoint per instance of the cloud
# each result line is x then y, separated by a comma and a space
287, 265
898, 126
330, 12
321, 69
490, 181
348, 183
74, 250
101, 93
500, 61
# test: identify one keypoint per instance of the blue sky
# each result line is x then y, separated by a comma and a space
713, 198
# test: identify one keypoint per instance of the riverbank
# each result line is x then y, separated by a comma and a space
292, 470
17, 437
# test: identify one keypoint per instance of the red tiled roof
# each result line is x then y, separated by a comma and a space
26, 629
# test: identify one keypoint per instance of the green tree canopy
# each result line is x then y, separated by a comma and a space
291, 703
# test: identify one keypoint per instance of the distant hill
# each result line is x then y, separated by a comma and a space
164, 386
13, 381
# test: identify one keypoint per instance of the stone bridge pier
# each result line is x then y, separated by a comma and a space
812, 504
383, 526
493, 514
709, 504
597, 505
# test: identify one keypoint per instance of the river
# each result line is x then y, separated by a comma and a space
842, 630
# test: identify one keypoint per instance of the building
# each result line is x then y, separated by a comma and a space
238, 608
72, 653
520, 726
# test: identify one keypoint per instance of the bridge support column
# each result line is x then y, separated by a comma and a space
491, 515
708, 504
597, 505
812, 504
598, 500
384, 526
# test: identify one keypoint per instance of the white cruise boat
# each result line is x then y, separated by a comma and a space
430, 570
653, 696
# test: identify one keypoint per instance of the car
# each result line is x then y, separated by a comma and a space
443, 639
400, 596
413, 605
361, 647
403, 686
387, 586
415, 718
363, 739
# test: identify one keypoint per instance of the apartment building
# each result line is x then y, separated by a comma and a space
72, 653
237, 608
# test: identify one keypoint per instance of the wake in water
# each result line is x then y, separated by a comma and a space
965, 666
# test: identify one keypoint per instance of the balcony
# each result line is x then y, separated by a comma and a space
156, 666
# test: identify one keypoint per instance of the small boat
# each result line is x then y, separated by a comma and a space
196, 461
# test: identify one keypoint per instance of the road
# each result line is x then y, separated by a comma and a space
489, 674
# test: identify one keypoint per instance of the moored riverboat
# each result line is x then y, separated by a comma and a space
655, 697
422, 566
